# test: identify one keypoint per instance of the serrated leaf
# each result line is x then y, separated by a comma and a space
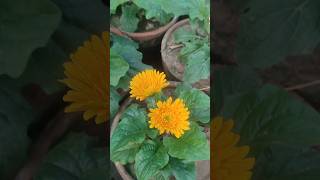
118, 67
272, 30
192, 146
75, 158
272, 122
15, 116
129, 20
73, 30
287, 162
197, 65
115, 3
178, 8
197, 102
232, 80
130, 54
129, 135
270, 115
184, 34
114, 101
200, 10
153, 10
150, 159
23, 30
179, 169
123, 41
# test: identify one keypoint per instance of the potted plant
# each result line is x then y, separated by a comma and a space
125, 62
143, 21
159, 132
185, 48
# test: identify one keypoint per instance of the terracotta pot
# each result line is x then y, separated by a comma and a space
172, 65
145, 38
202, 166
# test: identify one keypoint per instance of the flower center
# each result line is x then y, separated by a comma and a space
167, 118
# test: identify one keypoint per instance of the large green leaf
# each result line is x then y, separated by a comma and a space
193, 145
44, 60
270, 115
153, 10
232, 80
23, 30
178, 8
118, 67
197, 102
115, 3
272, 30
81, 19
75, 158
197, 64
150, 159
129, 20
128, 51
114, 101
15, 116
129, 135
200, 10
287, 162
277, 127
179, 169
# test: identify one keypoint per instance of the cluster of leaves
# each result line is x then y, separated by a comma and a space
280, 129
125, 62
195, 53
161, 157
127, 14
35, 42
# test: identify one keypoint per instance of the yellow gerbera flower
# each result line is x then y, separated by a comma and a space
229, 162
86, 76
147, 83
171, 117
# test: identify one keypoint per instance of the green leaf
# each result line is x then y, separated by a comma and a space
81, 19
90, 16
278, 128
129, 20
130, 54
114, 101
184, 34
232, 80
153, 10
179, 169
23, 30
200, 10
115, 3
118, 67
197, 102
192, 146
287, 162
15, 116
75, 158
178, 8
197, 65
129, 135
123, 41
270, 115
150, 159
272, 30
44, 60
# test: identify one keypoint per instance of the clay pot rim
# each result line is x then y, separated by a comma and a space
148, 35
120, 168
164, 47
164, 41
